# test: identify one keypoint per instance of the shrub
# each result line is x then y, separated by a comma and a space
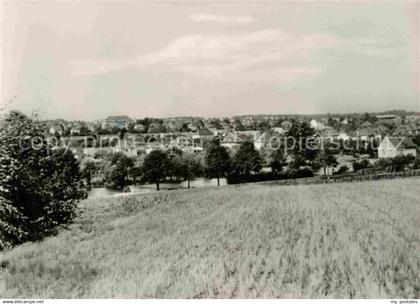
269, 176
363, 164
299, 173
342, 170
416, 164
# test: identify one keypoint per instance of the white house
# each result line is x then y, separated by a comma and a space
317, 125
328, 133
139, 128
387, 117
343, 136
314, 124
279, 130
75, 130
394, 146
56, 129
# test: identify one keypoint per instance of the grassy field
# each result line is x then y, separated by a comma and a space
348, 240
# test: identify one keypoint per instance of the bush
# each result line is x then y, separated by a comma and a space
234, 178
383, 164
363, 164
299, 173
269, 176
39, 187
416, 164
398, 163
342, 170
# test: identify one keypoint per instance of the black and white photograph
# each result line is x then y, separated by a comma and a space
209, 149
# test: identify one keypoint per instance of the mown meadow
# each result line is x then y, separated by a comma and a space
348, 240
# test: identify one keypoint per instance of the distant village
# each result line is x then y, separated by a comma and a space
189, 133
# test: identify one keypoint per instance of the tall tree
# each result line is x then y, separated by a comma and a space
247, 160
238, 125
187, 166
277, 160
326, 159
301, 141
217, 160
119, 171
156, 167
39, 187
89, 168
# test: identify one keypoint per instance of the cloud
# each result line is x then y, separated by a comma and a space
229, 55
222, 19
213, 55
218, 54
78, 67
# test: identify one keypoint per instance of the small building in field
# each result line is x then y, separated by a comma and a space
391, 147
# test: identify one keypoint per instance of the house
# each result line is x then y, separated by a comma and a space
328, 133
214, 131
197, 124
405, 130
139, 128
394, 146
262, 141
387, 117
279, 130
269, 139
314, 124
92, 126
56, 129
75, 130
367, 131
343, 136
169, 125
117, 122
317, 125
234, 139
252, 134
205, 133
367, 124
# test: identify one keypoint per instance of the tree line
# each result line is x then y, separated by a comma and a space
244, 164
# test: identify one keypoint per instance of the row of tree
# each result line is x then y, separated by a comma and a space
217, 162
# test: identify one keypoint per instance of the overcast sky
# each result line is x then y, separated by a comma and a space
87, 60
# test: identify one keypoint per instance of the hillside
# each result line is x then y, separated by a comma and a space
344, 240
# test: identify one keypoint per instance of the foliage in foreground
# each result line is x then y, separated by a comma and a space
349, 240
39, 187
